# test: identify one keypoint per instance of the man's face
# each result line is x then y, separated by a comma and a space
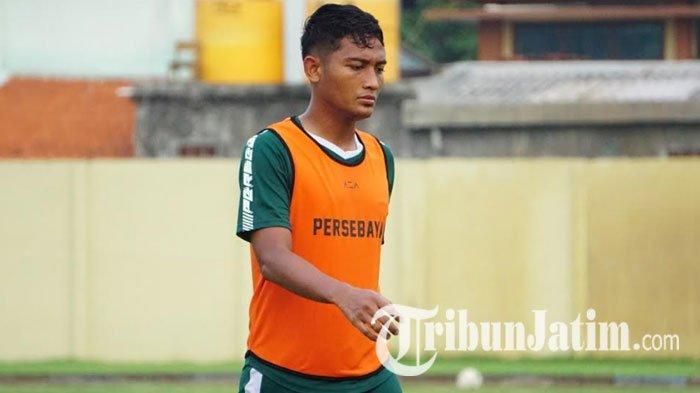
351, 77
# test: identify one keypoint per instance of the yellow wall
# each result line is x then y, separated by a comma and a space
137, 259
642, 231
121, 260
37, 251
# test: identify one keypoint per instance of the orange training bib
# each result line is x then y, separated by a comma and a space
337, 215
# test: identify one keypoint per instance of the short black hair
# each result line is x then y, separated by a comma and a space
332, 22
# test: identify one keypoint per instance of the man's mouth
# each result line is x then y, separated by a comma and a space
368, 99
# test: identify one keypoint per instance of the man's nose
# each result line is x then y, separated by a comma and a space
372, 80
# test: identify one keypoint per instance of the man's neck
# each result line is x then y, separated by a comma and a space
330, 126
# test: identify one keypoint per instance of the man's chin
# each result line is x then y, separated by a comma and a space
363, 113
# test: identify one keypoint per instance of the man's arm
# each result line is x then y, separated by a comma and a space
278, 264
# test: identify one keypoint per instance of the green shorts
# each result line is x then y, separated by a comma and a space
259, 376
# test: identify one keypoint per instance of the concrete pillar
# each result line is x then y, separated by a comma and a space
670, 52
294, 11
490, 40
684, 39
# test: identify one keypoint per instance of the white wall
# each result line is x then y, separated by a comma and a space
92, 38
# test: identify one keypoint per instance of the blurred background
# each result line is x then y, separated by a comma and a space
547, 158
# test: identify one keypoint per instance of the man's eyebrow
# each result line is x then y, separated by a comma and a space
364, 61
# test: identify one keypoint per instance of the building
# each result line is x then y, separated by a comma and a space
596, 78
61, 64
556, 108
582, 30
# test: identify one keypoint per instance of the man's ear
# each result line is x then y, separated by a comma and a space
313, 68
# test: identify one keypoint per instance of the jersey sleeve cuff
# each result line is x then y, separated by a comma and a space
245, 235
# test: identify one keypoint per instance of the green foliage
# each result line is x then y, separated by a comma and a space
443, 42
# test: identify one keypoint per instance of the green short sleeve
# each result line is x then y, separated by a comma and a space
265, 183
389, 165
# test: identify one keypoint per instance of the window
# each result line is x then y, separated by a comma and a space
197, 151
595, 41
684, 152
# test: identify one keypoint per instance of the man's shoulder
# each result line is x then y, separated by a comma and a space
385, 148
267, 154
384, 145
266, 141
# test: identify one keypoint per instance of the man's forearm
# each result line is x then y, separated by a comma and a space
290, 271
280, 265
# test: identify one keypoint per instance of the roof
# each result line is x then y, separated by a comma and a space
413, 63
573, 81
43, 118
579, 84
553, 12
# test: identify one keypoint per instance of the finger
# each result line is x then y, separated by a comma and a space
382, 301
367, 307
394, 313
394, 328
389, 323
369, 313
381, 325
376, 327
370, 334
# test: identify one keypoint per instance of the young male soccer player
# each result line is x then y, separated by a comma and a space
314, 201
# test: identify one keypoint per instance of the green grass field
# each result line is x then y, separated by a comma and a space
443, 367
227, 388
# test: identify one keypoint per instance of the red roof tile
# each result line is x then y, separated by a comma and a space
42, 118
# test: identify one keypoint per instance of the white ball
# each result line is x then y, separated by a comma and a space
469, 378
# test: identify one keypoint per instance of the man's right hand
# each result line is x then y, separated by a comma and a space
359, 306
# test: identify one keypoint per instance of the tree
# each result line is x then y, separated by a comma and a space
443, 42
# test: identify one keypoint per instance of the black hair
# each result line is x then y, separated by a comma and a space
332, 22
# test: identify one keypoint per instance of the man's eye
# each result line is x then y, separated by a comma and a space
356, 67
380, 70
